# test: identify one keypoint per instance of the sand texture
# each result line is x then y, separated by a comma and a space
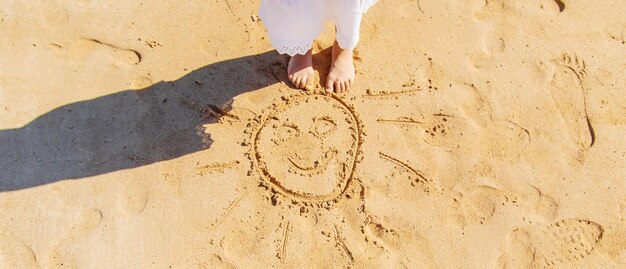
165, 134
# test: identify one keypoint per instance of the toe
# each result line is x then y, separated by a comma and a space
297, 81
329, 86
303, 82
309, 86
337, 86
346, 86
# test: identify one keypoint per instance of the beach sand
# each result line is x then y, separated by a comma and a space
164, 134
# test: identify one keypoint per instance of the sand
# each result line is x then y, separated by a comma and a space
163, 134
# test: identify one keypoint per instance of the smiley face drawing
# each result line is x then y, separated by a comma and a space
307, 147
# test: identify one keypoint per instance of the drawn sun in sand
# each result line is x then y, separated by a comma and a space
301, 196
309, 159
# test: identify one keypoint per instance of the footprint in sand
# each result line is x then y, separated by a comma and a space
479, 204
563, 243
505, 140
141, 82
87, 222
449, 131
567, 91
14, 253
492, 17
496, 139
613, 244
61, 257
499, 138
440, 130
404, 249
498, 22
133, 198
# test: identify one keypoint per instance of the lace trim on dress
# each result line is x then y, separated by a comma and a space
293, 50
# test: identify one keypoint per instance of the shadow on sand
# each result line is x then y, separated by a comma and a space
130, 128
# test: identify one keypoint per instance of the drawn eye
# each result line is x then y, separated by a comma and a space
323, 126
286, 131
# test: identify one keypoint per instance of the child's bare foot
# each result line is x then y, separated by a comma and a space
300, 70
341, 73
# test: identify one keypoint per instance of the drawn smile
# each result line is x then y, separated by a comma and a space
317, 166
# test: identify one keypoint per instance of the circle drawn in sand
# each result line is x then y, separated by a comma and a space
307, 146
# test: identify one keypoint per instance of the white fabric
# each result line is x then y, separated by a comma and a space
364, 5
294, 24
